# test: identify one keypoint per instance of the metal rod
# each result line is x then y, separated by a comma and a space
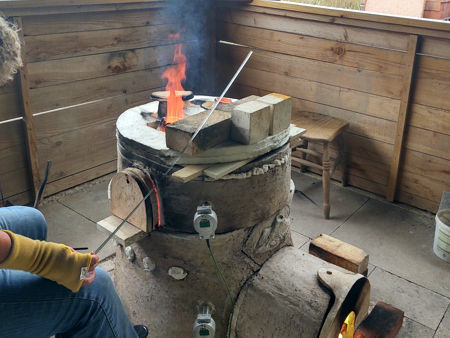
212, 111
123, 222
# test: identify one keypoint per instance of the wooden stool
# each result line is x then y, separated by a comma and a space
321, 129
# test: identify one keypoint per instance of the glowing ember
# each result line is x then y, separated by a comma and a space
175, 74
348, 328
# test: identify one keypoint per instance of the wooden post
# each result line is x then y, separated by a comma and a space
28, 116
401, 121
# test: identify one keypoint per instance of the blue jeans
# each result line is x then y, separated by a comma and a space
32, 306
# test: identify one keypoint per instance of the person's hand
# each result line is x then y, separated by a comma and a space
90, 276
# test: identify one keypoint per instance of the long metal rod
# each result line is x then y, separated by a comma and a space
123, 222
212, 111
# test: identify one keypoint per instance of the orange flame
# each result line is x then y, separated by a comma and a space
174, 75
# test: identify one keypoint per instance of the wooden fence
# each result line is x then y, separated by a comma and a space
85, 63
389, 77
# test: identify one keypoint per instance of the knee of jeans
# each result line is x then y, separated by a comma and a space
103, 281
37, 219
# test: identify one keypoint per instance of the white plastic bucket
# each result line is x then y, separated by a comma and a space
441, 245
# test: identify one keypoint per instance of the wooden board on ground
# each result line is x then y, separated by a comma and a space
127, 234
340, 253
219, 170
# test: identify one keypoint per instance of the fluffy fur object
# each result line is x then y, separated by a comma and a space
10, 59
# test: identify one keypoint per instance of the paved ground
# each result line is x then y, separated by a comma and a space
403, 270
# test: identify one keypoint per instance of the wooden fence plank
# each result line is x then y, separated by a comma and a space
78, 22
428, 142
430, 118
374, 38
33, 157
401, 122
74, 151
63, 95
10, 106
432, 88
435, 47
11, 134
55, 46
79, 117
342, 53
53, 72
318, 92
80, 177
348, 77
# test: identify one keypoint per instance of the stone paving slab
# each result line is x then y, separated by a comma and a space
90, 200
422, 305
68, 227
443, 330
307, 217
399, 241
411, 328
298, 239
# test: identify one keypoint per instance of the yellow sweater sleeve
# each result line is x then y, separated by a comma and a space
53, 261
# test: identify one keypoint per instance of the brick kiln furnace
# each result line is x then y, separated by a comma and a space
167, 279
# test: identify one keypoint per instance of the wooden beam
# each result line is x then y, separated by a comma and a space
402, 115
28, 117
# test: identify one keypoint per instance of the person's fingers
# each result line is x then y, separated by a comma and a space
89, 278
94, 261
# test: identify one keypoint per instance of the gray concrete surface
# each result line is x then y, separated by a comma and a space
403, 269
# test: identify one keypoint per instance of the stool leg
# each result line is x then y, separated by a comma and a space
326, 181
305, 145
343, 163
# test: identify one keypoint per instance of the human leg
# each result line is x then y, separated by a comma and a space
35, 307
24, 221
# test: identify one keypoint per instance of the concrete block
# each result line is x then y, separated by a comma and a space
216, 130
250, 122
280, 112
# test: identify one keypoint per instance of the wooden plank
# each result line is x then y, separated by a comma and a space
78, 22
401, 122
10, 106
427, 165
50, 3
431, 88
15, 182
378, 39
417, 201
215, 131
422, 186
412, 28
79, 150
33, 157
428, 142
430, 118
336, 13
63, 95
108, 7
189, 172
340, 53
11, 134
321, 93
372, 82
56, 46
53, 72
435, 47
80, 177
78, 117
219, 170
340, 253
126, 235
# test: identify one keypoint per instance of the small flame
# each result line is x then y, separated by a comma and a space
348, 328
175, 74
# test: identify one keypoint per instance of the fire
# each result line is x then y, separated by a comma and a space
348, 328
175, 74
